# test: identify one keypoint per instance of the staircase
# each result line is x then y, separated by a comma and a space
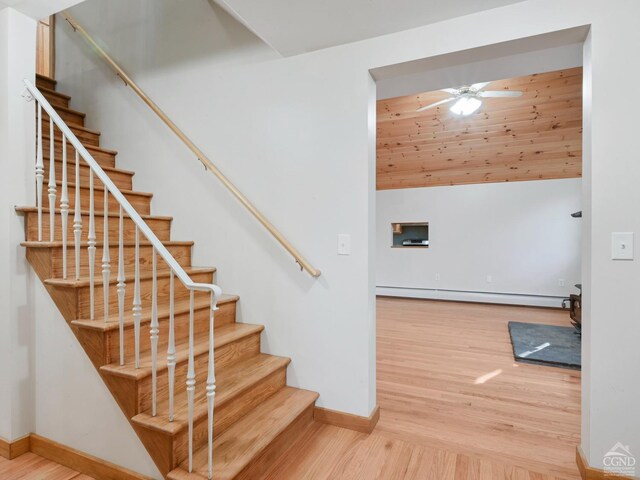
256, 415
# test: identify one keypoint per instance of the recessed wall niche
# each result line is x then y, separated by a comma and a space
410, 235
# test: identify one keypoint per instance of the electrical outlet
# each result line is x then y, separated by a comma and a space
489, 279
437, 277
561, 282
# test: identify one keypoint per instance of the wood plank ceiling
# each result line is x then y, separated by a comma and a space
532, 137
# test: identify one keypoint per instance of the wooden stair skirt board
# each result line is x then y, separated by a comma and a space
347, 420
590, 473
257, 416
14, 448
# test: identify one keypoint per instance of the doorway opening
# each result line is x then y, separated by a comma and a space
485, 147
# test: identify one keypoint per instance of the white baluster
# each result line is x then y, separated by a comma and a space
211, 385
137, 303
106, 258
52, 182
191, 380
171, 349
121, 285
91, 247
64, 207
39, 172
77, 219
154, 332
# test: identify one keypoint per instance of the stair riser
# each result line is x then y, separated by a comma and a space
104, 159
55, 100
83, 294
225, 415
86, 138
160, 226
277, 447
136, 396
44, 82
68, 117
142, 203
181, 331
242, 349
182, 254
256, 463
48, 261
121, 179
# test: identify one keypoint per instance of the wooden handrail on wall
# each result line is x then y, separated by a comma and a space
304, 264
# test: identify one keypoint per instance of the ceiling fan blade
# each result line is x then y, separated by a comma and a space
441, 102
499, 93
452, 91
479, 86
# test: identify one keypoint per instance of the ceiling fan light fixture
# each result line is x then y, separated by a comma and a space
466, 106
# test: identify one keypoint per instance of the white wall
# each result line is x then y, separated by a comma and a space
519, 233
72, 405
293, 134
17, 150
17, 61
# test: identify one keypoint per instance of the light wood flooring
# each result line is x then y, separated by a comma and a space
33, 467
454, 404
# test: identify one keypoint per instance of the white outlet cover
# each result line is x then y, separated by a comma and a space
622, 246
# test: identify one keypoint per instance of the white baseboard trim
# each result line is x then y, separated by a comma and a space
465, 296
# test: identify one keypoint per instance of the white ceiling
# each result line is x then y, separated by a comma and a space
298, 26
542, 53
8, 3
38, 9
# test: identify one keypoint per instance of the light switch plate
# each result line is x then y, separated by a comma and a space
344, 244
622, 246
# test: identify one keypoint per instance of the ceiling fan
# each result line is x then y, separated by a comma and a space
468, 98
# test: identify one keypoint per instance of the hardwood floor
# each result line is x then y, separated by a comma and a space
33, 467
454, 404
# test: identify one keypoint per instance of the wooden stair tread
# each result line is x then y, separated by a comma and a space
146, 275
45, 78
58, 140
44, 90
200, 346
73, 126
126, 243
106, 169
181, 306
230, 382
100, 188
247, 438
67, 109
86, 213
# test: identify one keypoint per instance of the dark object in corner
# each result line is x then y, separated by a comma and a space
548, 345
577, 214
575, 308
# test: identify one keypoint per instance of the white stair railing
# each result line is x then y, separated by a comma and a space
126, 210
